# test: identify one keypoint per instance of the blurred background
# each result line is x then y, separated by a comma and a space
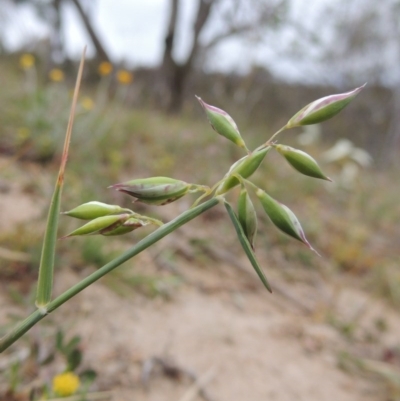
260, 60
259, 54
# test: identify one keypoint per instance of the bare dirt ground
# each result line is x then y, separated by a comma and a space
219, 335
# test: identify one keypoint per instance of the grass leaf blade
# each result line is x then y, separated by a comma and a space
46, 268
246, 245
45, 280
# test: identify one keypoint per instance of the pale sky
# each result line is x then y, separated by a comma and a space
132, 32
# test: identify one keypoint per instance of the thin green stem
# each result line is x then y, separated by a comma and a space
207, 193
199, 188
268, 143
249, 183
155, 236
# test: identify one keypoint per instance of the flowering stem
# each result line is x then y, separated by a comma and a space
207, 192
247, 182
152, 238
274, 136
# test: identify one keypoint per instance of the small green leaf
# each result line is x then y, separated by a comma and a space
246, 245
73, 343
88, 376
74, 359
60, 340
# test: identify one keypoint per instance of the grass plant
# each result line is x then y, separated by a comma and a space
109, 220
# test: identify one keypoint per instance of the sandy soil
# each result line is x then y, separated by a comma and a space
252, 348
235, 344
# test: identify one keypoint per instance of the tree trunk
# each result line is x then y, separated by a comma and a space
168, 66
175, 75
101, 52
56, 40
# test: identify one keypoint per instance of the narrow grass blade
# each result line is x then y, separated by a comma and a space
45, 280
46, 268
246, 245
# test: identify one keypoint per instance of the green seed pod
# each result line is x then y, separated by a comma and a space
100, 224
247, 216
92, 210
323, 109
245, 167
301, 161
131, 224
222, 123
154, 190
283, 218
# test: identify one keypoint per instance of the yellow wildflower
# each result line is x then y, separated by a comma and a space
65, 384
26, 61
56, 75
87, 103
124, 77
105, 68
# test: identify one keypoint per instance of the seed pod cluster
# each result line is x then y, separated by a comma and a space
107, 220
